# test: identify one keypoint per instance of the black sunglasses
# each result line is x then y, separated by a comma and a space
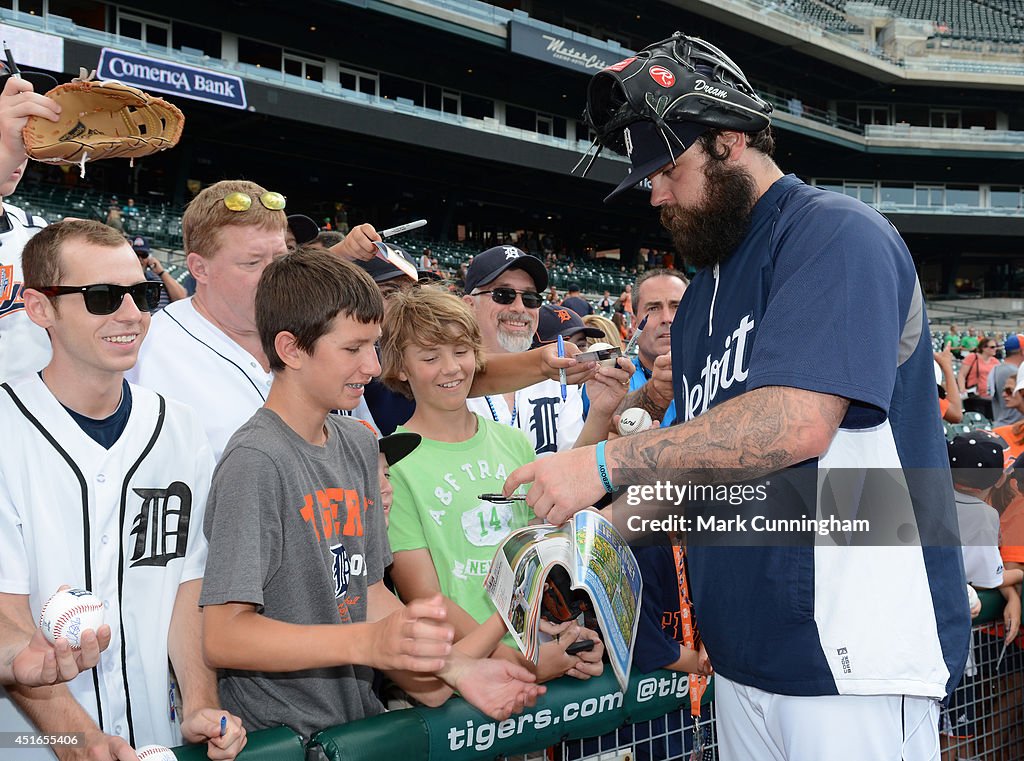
106, 298
531, 299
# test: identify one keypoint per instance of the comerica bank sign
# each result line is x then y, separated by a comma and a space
153, 74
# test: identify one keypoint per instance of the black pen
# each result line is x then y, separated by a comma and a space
636, 335
501, 497
11, 65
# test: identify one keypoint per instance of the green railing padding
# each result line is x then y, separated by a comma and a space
277, 744
570, 709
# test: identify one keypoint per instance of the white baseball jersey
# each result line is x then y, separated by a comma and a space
550, 424
24, 346
979, 535
126, 523
188, 358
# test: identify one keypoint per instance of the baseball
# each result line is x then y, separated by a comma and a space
70, 612
634, 420
155, 753
972, 597
598, 347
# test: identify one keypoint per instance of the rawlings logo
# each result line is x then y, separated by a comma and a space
701, 86
629, 142
621, 64
662, 76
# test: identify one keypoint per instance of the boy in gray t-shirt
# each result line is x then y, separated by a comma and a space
296, 614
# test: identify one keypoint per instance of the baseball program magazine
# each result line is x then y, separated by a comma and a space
597, 561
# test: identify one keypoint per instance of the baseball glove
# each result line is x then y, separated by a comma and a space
102, 120
681, 79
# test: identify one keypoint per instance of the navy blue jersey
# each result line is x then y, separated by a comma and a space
822, 295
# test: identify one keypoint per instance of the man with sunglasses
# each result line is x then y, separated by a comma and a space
504, 287
204, 350
105, 488
23, 346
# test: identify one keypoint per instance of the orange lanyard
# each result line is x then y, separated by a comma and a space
690, 636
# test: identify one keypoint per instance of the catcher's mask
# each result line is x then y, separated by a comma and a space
676, 81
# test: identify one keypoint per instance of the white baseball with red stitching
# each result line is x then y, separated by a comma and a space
155, 753
69, 613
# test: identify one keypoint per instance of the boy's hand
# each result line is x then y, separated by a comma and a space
1011, 617
589, 663
497, 687
18, 101
41, 663
203, 726
415, 638
703, 662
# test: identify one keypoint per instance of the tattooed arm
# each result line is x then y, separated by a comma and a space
753, 434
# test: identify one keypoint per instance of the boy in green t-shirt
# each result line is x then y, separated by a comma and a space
442, 535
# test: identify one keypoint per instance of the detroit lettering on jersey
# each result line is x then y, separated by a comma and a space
332, 514
483, 526
729, 365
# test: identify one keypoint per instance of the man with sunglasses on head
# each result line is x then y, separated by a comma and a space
23, 346
105, 487
205, 350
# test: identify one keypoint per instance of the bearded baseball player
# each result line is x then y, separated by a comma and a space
105, 488
823, 650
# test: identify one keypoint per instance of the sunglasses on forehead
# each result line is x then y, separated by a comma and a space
106, 298
531, 299
239, 201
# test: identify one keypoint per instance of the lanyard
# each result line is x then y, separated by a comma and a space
494, 412
697, 683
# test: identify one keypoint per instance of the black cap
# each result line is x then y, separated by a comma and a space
303, 228
486, 266
139, 244
649, 149
976, 459
398, 445
555, 321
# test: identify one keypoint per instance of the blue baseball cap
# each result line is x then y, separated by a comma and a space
649, 149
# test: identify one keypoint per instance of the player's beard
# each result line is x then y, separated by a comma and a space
516, 342
707, 234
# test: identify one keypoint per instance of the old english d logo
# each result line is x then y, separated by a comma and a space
161, 527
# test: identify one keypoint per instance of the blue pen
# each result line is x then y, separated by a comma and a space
223, 725
561, 372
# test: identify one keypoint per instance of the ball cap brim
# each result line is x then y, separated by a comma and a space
650, 149
398, 445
